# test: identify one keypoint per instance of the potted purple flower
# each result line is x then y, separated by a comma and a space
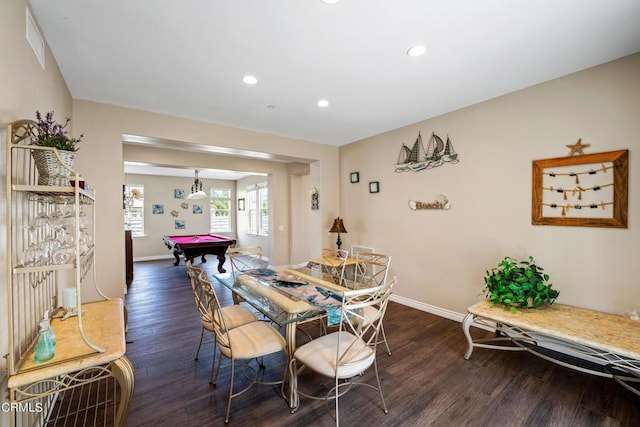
54, 166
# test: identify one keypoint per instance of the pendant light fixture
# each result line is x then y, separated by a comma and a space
196, 189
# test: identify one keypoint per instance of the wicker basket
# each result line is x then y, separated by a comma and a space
50, 170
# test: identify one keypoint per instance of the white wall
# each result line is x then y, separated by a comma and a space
440, 257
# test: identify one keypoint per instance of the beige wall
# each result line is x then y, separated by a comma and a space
24, 88
278, 174
101, 160
246, 239
160, 190
300, 212
440, 257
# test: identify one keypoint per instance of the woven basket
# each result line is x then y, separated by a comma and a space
50, 170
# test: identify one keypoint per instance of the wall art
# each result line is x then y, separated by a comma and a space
197, 209
157, 209
374, 187
587, 190
180, 224
354, 177
178, 193
241, 204
441, 202
315, 199
416, 158
184, 205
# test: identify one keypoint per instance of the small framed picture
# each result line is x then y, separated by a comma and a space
178, 193
315, 200
241, 204
197, 209
180, 224
374, 187
157, 209
355, 177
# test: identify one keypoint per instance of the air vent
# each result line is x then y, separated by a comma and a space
355, 249
35, 39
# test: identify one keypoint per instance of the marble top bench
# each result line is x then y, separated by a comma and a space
609, 340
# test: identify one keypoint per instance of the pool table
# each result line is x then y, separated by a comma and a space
192, 246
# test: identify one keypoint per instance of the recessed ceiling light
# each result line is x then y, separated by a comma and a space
322, 103
417, 50
250, 80
330, 1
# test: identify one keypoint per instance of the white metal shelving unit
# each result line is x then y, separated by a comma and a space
91, 346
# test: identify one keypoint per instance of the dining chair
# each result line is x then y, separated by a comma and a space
234, 315
243, 258
332, 265
243, 343
371, 270
347, 353
332, 262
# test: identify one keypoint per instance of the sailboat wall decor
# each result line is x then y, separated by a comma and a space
417, 158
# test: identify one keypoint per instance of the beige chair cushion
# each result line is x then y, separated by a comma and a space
234, 316
370, 313
253, 340
320, 355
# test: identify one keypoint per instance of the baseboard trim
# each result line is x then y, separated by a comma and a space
154, 257
438, 311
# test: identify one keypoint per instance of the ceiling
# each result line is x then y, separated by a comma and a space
187, 58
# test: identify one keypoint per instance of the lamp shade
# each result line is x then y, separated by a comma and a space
338, 226
197, 195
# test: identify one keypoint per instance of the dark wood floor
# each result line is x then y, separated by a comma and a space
426, 381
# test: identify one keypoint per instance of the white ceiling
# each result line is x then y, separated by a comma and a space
187, 58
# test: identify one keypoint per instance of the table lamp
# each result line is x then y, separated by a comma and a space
338, 227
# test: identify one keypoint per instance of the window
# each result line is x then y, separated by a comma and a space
134, 209
258, 201
220, 210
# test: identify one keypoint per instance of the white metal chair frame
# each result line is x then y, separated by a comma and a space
247, 342
243, 258
372, 270
334, 261
351, 350
201, 304
236, 314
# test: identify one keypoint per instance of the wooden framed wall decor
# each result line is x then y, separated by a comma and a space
587, 191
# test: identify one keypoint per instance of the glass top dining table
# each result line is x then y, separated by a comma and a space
286, 296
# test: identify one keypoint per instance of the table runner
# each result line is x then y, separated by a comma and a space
297, 287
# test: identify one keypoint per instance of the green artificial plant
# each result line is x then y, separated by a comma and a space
514, 283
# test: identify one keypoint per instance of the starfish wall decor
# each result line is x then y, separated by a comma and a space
577, 148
